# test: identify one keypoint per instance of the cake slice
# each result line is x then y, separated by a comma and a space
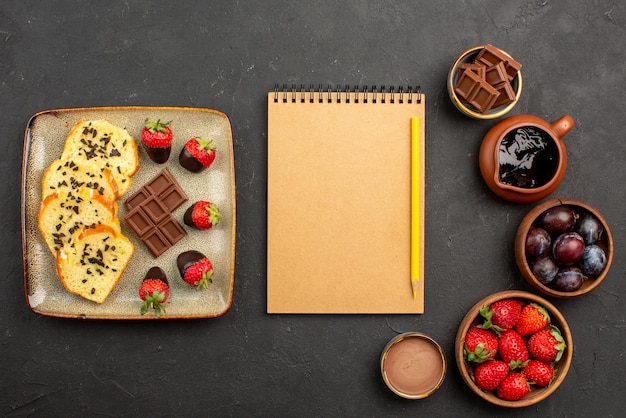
64, 212
72, 176
94, 264
108, 145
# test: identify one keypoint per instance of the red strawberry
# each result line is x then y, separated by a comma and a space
538, 372
197, 154
512, 348
513, 388
154, 291
195, 269
480, 345
157, 140
490, 374
202, 215
501, 315
547, 345
534, 318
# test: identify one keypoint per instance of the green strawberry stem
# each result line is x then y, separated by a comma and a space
156, 126
214, 214
205, 144
154, 302
517, 364
205, 280
542, 310
560, 346
479, 355
486, 313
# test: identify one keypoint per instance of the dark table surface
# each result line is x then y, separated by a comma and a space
226, 55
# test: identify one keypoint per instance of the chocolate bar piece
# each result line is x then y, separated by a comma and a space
477, 69
483, 97
507, 95
486, 82
150, 213
512, 68
466, 84
490, 56
496, 74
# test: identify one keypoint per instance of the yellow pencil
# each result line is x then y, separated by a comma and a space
416, 205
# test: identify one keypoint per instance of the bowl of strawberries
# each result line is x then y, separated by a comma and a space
513, 348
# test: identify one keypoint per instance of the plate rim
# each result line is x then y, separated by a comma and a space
25, 159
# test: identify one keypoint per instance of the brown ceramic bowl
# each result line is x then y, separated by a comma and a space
606, 243
500, 144
536, 394
468, 56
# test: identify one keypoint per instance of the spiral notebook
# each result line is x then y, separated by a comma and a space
339, 200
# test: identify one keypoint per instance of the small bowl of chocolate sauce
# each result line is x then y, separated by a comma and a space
485, 82
413, 365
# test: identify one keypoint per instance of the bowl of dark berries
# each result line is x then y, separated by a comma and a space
513, 349
564, 248
484, 82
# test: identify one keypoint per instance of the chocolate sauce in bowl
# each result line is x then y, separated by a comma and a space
528, 157
413, 365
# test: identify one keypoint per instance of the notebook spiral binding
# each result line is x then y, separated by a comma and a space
373, 94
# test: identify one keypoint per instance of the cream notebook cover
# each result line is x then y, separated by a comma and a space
339, 201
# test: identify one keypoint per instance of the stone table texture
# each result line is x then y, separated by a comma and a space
227, 55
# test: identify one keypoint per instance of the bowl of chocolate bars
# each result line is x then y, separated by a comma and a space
485, 82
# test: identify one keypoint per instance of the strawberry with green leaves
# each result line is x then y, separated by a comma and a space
514, 387
547, 345
512, 348
195, 269
489, 374
533, 318
202, 215
154, 291
538, 373
501, 315
480, 345
197, 154
156, 138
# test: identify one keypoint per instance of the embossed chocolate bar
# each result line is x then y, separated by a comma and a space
467, 84
150, 213
478, 69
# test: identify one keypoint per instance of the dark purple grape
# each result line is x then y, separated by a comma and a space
590, 228
568, 248
593, 261
568, 279
544, 268
558, 220
537, 242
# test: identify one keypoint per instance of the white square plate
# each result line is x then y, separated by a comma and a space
43, 143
